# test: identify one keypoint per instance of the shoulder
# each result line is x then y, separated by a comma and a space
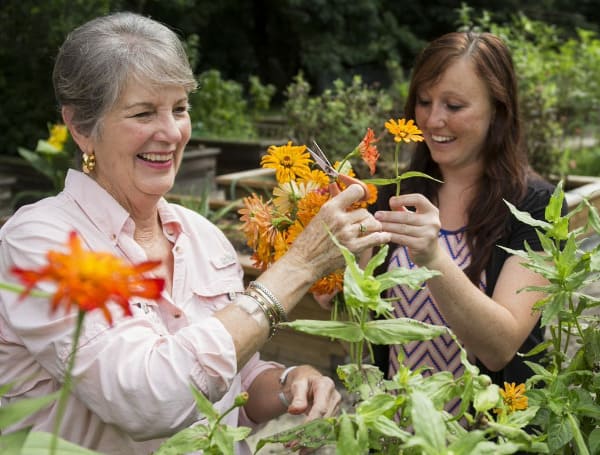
538, 193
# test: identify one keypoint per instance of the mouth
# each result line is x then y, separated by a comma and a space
157, 158
442, 139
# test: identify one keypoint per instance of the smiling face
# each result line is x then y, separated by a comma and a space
141, 142
454, 114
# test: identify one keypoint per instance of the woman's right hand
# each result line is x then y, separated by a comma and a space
314, 245
417, 230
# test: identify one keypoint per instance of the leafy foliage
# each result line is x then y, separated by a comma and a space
406, 414
337, 116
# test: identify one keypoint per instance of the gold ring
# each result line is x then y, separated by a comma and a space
362, 229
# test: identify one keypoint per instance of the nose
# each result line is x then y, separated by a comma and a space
169, 128
436, 117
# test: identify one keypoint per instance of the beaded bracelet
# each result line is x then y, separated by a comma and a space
269, 295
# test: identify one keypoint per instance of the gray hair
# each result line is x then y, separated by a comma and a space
98, 58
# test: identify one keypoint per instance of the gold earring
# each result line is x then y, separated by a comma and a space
89, 162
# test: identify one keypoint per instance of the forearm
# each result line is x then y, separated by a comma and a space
263, 397
288, 281
488, 329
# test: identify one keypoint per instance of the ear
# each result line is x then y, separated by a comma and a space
83, 142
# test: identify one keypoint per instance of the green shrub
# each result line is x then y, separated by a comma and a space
339, 117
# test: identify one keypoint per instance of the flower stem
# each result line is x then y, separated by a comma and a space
396, 164
66, 387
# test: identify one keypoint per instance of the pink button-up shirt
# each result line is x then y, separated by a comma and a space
132, 380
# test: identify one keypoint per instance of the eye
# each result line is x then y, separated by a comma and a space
423, 102
142, 114
178, 110
454, 107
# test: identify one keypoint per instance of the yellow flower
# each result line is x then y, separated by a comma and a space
315, 176
58, 136
404, 131
514, 397
287, 195
289, 161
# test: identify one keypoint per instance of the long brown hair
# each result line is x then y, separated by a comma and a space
505, 160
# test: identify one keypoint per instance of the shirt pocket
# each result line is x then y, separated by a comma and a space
220, 283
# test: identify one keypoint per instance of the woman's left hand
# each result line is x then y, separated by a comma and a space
417, 230
311, 393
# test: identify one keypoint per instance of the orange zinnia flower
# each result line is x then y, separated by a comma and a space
90, 280
368, 150
329, 284
404, 131
514, 397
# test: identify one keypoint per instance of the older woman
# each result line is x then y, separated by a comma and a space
122, 82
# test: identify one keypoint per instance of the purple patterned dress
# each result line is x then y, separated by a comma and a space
441, 353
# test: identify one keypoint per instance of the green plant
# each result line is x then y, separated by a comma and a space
221, 108
569, 398
336, 117
52, 158
558, 85
214, 437
406, 414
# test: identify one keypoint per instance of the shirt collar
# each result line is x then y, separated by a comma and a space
97, 203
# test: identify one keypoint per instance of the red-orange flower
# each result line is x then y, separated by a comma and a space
90, 280
368, 150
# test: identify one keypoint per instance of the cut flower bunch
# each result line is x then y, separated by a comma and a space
272, 226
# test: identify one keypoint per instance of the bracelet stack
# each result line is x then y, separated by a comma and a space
269, 305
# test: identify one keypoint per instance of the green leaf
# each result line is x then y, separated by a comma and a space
389, 428
37, 443
377, 260
315, 433
593, 218
204, 405
187, 440
428, 422
347, 443
594, 441
527, 218
223, 440
18, 410
375, 406
467, 443
12, 443
487, 398
559, 433
402, 276
400, 331
577, 436
339, 330
554, 207
403, 176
